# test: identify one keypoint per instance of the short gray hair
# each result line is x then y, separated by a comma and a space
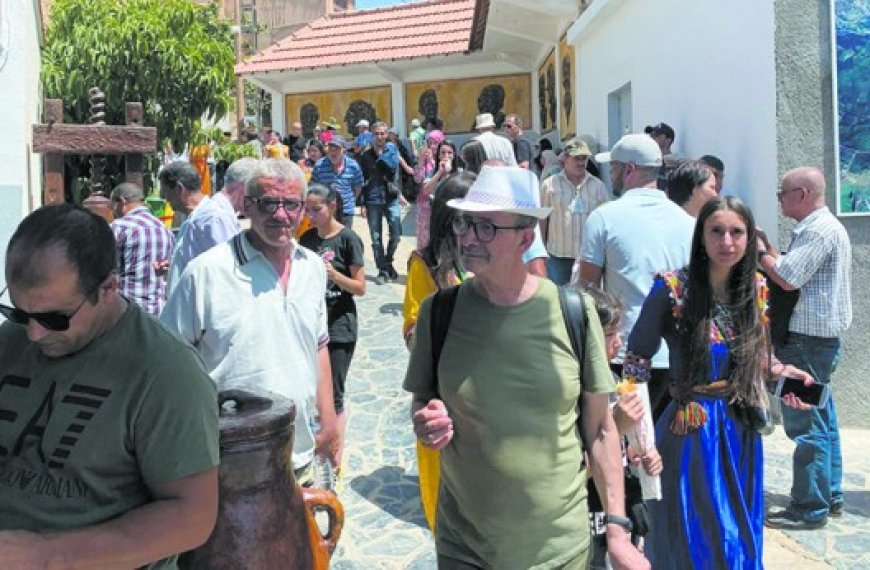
127, 192
647, 174
180, 172
278, 168
240, 170
379, 124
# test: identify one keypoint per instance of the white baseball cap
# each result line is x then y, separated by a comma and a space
637, 148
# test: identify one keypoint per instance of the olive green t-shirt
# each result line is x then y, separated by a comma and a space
513, 492
83, 437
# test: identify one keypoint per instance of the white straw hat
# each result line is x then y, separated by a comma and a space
503, 189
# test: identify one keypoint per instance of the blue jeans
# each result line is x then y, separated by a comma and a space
374, 214
817, 464
559, 269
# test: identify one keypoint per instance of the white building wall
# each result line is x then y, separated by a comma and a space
20, 105
705, 68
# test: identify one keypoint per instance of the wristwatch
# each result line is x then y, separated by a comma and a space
624, 522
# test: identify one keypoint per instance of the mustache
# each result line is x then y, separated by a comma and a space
465, 251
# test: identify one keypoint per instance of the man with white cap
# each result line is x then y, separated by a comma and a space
503, 405
627, 241
364, 137
495, 146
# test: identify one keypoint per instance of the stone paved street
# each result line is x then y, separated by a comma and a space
385, 528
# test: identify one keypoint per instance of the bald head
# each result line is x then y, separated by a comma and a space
808, 177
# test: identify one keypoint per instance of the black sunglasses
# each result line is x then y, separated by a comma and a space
51, 320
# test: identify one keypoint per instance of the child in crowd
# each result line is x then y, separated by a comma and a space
627, 411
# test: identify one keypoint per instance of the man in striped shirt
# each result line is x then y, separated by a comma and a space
142, 242
572, 193
343, 174
819, 263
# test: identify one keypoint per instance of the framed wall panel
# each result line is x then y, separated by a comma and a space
548, 106
852, 86
346, 106
457, 101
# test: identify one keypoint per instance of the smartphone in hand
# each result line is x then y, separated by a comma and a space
815, 394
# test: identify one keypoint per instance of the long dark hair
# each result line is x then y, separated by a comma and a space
454, 164
441, 251
749, 348
328, 196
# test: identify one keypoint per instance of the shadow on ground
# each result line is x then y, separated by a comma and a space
391, 308
856, 503
391, 489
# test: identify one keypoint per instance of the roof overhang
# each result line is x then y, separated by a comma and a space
507, 37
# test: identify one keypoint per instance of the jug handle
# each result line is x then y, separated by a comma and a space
323, 546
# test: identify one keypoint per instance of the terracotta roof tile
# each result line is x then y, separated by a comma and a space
438, 27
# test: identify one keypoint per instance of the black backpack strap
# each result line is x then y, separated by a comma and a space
443, 302
576, 321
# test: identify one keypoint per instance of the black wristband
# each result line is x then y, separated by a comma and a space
624, 522
761, 255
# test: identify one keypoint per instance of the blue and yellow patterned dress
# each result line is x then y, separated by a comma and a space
712, 510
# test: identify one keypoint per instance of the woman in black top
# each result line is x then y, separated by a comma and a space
342, 252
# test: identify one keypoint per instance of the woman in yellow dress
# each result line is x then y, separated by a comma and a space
274, 148
429, 269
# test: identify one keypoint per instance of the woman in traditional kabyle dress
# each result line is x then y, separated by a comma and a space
712, 315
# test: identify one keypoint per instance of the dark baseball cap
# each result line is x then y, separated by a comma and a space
661, 129
337, 140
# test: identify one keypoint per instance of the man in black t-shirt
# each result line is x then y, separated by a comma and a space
513, 130
295, 142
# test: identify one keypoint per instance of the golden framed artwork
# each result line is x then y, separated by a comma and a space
567, 97
456, 102
547, 102
346, 106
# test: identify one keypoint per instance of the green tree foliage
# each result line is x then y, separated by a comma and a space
173, 56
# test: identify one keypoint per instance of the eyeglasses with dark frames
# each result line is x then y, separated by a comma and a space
781, 194
484, 231
57, 321
271, 205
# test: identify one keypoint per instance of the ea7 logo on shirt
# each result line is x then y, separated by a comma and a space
85, 400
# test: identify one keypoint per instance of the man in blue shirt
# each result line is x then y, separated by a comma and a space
342, 173
380, 163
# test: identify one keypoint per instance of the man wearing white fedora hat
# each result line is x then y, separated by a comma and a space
503, 404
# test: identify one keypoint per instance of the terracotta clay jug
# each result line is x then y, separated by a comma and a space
265, 520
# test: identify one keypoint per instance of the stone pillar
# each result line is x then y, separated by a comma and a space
805, 137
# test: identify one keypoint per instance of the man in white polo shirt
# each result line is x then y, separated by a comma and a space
627, 241
255, 310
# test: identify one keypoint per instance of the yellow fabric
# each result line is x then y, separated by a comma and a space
304, 226
429, 469
277, 151
419, 285
199, 159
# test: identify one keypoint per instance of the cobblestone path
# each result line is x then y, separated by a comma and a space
384, 526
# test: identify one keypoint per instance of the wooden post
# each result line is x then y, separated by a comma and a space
133, 162
52, 162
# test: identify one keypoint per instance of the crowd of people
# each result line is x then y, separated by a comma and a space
544, 439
